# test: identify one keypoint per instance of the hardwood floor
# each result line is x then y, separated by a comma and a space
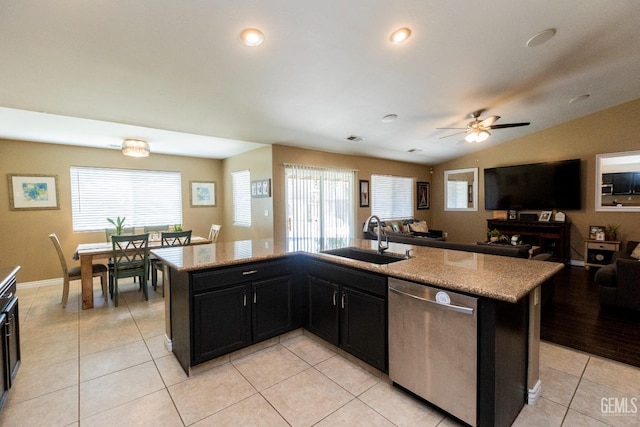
576, 320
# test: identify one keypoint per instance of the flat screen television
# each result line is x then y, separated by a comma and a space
539, 186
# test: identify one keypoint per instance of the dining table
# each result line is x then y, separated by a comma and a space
87, 252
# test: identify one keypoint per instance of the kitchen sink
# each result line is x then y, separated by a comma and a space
365, 255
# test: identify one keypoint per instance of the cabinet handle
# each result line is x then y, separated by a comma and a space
342, 299
255, 297
244, 298
246, 273
10, 326
335, 294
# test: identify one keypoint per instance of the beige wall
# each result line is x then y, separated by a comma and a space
612, 130
366, 166
259, 164
24, 234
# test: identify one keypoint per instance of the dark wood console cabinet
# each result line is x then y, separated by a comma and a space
9, 331
552, 237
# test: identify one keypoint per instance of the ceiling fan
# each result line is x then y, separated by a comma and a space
478, 130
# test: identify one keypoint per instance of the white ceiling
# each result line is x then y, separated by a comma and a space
175, 73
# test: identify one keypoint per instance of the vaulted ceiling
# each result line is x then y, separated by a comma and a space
176, 73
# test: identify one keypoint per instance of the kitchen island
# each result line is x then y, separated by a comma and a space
226, 296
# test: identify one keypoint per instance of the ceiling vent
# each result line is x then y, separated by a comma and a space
355, 138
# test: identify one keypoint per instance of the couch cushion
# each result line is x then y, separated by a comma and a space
419, 227
636, 252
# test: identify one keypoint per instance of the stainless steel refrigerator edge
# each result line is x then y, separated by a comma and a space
433, 346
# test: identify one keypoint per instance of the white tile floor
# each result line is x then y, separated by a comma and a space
108, 366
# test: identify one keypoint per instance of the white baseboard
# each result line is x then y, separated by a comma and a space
534, 393
168, 343
576, 263
39, 283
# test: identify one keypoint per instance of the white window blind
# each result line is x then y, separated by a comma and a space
391, 197
241, 187
320, 207
143, 197
457, 195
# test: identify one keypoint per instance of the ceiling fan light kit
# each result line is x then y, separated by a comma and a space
478, 130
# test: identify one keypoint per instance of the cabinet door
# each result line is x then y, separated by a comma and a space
12, 339
272, 312
4, 370
363, 326
322, 317
221, 322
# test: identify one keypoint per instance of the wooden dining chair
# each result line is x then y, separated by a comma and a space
73, 273
172, 238
130, 259
214, 232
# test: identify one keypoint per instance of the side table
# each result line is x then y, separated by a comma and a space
599, 252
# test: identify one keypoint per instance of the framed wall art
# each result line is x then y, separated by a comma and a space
33, 192
364, 193
261, 188
203, 194
423, 195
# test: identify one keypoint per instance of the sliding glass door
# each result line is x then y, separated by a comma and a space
320, 207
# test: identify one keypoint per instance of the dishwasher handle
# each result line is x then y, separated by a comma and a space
453, 307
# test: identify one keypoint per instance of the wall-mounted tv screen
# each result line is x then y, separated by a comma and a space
539, 186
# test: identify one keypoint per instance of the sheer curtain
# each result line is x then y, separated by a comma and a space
320, 207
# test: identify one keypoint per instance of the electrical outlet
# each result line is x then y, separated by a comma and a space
266, 212
445, 234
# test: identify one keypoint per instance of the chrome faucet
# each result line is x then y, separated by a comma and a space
381, 247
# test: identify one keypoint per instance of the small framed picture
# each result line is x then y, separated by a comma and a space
261, 188
364, 193
595, 231
423, 195
513, 214
33, 192
203, 194
545, 216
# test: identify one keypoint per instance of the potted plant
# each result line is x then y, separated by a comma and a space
177, 227
611, 231
118, 223
494, 235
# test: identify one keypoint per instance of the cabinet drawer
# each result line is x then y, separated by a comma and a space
213, 279
602, 246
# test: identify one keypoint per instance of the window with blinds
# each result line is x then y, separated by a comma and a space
143, 197
320, 208
457, 194
241, 188
392, 197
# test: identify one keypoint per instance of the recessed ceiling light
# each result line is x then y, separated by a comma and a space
389, 118
579, 98
252, 37
541, 37
400, 35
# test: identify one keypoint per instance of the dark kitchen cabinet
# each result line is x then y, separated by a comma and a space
9, 331
323, 309
229, 308
362, 323
220, 322
348, 308
272, 310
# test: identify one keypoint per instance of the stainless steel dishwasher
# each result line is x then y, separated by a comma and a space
433, 343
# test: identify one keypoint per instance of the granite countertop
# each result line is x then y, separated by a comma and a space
7, 273
498, 277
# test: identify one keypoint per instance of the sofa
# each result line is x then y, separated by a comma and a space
435, 239
619, 282
395, 229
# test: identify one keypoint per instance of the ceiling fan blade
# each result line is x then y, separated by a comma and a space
450, 128
457, 133
489, 121
508, 125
